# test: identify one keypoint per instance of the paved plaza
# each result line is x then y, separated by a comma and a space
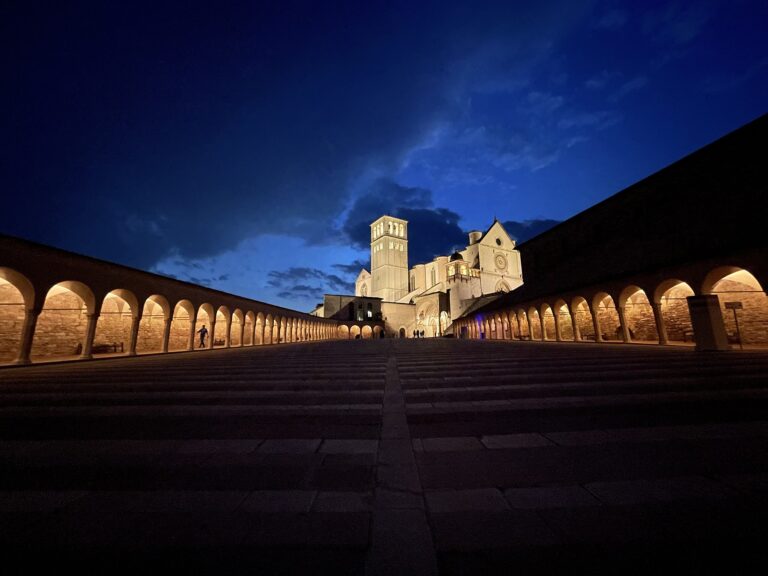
390, 457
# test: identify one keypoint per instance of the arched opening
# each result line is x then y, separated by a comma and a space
276, 329
495, 329
504, 323
525, 328
742, 301
236, 329
152, 325
638, 313
583, 315
268, 328
16, 296
672, 296
534, 323
221, 332
366, 332
113, 328
512, 322
378, 332
282, 331
564, 320
354, 332
343, 332
401, 332
204, 315
248, 330
445, 322
607, 316
181, 326
548, 324
62, 324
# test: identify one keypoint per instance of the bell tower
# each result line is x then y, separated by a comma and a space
389, 258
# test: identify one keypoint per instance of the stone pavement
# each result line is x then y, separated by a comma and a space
390, 457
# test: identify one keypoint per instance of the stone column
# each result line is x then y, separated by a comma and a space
707, 320
134, 337
193, 323
228, 332
27, 336
211, 333
661, 328
166, 333
596, 324
576, 330
90, 332
623, 324
519, 328
242, 333
558, 330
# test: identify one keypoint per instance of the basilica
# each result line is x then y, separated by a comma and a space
426, 298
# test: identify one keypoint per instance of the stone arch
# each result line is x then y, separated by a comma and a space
181, 327
511, 318
564, 320
401, 332
221, 329
249, 329
17, 295
525, 328
671, 295
582, 315
115, 324
204, 318
502, 286
737, 285
366, 332
549, 329
268, 321
445, 322
534, 324
506, 331
638, 314
237, 328
604, 308
152, 326
354, 332
276, 329
62, 326
343, 331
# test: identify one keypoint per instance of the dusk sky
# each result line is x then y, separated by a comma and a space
248, 146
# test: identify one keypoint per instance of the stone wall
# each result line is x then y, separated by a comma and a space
11, 321
60, 327
752, 318
640, 318
608, 318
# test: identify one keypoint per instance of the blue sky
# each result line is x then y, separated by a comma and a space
247, 146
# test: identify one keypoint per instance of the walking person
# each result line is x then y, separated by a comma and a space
203, 333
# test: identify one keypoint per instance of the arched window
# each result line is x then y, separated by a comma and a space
434, 277
364, 290
370, 310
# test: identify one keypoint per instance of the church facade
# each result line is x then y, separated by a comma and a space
427, 297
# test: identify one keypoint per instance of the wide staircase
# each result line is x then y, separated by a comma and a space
389, 457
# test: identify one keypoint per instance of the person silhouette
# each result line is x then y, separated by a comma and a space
203, 333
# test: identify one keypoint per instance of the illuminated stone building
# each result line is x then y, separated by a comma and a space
429, 296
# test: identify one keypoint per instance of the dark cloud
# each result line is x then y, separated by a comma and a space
295, 281
522, 231
354, 268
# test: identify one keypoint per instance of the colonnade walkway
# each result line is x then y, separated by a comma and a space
390, 457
